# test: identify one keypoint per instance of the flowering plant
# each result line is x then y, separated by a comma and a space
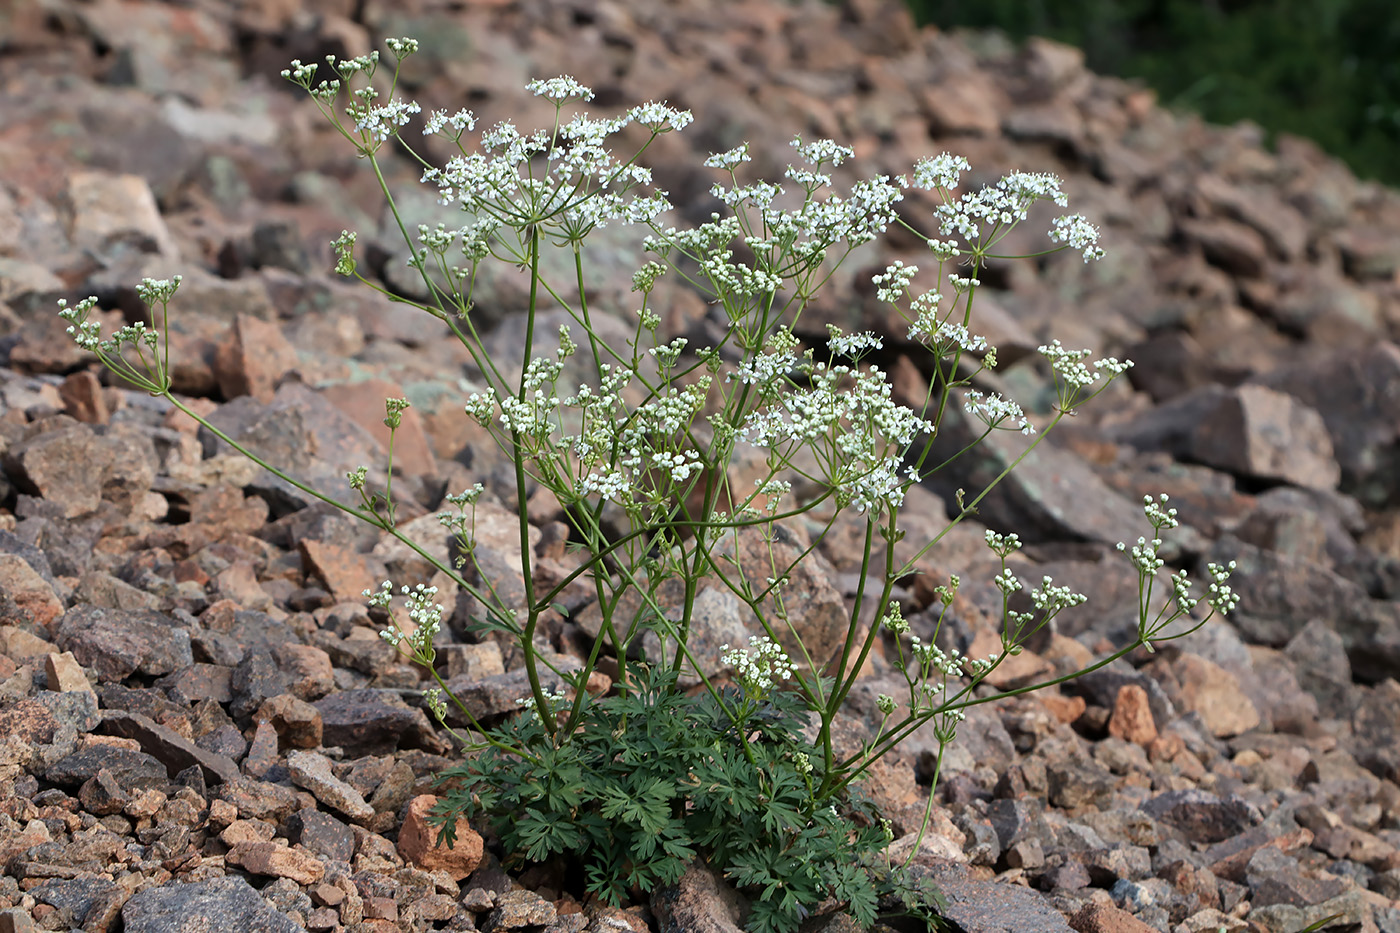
640, 450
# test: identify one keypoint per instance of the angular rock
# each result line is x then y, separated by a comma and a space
1132, 718
251, 359
313, 772
1198, 685
132, 770
111, 211
84, 903
373, 722
418, 842
1200, 816
517, 909
116, 643
278, 861
700, 901
321, 834
297, 722
169, 747
1263, 434
1358, 396
979, 906
222, 903
31, 593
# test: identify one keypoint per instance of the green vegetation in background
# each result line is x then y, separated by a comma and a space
1325, 69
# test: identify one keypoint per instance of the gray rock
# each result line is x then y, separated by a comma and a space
373, 722
169, 747
117, 643
988, 907
1202, 817
1052, 495
133, 771
224, 903
1358, 396
700, 902
313, 772
87, 903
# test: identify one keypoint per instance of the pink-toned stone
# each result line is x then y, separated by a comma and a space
251, 358
269, 858
1105, 918
83, 398
1213, 692
65, 673
1132, 716
110, 209
418, 842
364, 403
298, 723
966, 102
1064, 708
30, 591
310, 669
345, 573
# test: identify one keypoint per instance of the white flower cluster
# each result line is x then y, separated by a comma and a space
994, 409
729, 159
560, 89
1001, 544
1069, 365
1051, 599
425, 614
941, 171
660, 117
556, 701
894, 282
379, 123
86, 334
822, 151
586, 186
760, 667
848, 415
852, 345
1075, 230
1144, 555
894, 620
1218, 594
997, 208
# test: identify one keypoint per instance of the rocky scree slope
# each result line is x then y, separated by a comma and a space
197, 718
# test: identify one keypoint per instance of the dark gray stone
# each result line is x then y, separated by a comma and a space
372, 722
321, 833
988, 907
224, 904
133, 771
117, 643
169, 747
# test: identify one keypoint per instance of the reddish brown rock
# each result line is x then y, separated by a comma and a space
1132, 716
30, 591
269, 858
364, 402
298, 723
1105, 918
252, 357
83, 398
418, 842
345, 573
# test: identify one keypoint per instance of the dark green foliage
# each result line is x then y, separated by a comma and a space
655, 779
1325, 69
